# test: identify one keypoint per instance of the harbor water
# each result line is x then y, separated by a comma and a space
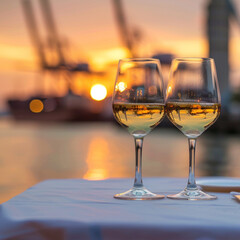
33, 152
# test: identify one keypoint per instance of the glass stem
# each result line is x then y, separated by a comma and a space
138, 171
191, 178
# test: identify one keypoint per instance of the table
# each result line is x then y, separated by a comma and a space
81, 209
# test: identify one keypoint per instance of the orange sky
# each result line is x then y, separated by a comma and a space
90, 29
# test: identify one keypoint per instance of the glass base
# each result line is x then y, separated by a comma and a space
138, 193
195, 194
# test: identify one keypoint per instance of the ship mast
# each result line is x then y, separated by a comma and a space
33, 31
52, 30
125, 34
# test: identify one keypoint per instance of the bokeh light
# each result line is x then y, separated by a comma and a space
36, 106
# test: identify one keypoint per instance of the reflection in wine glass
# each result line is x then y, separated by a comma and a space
192, 105
138, 105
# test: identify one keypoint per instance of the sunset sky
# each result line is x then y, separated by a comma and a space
91, 31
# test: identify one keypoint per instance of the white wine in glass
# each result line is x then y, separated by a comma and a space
193, 104
139, 106
139, 119
193, 118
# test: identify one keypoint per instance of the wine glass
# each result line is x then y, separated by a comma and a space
192, 104
138, 105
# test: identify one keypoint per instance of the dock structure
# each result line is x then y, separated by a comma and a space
218, 23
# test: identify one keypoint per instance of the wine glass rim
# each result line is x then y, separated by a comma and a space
193, 59
139, 60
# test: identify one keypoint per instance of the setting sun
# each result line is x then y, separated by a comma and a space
98, 92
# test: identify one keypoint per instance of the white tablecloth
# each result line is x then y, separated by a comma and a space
79, 209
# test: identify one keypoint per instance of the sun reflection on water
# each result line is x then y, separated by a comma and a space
96, 160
